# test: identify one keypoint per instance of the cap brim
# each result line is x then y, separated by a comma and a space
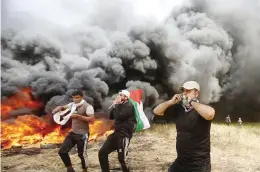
181, 88
187, 88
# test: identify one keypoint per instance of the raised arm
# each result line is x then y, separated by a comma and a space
205, 111
111, 114
160, 109
59, 108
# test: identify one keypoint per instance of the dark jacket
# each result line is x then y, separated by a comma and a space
124, 117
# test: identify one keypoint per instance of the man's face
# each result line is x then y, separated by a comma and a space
123, 97
190, 93
77, 98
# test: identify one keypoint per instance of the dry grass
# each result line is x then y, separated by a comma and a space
233, 150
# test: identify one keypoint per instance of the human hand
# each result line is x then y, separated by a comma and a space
175, 99
74, 116
57, 109
117, 100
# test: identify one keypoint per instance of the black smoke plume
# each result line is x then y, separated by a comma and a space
215, 43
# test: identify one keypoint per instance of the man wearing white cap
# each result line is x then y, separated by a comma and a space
193, 121
125, 122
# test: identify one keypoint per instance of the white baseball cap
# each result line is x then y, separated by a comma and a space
125, 92
189, 85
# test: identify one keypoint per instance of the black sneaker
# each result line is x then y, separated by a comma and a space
70, 169
85, 169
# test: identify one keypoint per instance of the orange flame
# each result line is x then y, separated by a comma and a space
22, 99
30, 129
99, 128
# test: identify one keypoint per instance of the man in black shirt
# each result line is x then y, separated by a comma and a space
125, 122
193, 121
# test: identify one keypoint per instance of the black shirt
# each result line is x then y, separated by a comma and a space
125, 121
193, 137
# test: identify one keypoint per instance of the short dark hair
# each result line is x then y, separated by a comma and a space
77, 93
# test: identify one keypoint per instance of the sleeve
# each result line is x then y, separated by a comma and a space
172, 112
169, 110
111, 114
90, 110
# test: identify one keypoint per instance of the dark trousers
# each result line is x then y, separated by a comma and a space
114, 142
72, 139
175, 167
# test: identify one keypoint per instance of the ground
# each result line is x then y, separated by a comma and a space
233, 149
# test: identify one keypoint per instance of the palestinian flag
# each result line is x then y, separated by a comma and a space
136, 100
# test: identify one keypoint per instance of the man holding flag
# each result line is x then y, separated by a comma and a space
125, 112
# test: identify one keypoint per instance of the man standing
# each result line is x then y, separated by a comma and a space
193, 121
81, 117
239, 122
125, 122
228, 120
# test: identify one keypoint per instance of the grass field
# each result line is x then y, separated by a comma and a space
233, 149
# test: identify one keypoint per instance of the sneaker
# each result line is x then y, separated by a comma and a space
85, 169
70, 169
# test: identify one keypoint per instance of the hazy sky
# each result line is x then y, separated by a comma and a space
68, 12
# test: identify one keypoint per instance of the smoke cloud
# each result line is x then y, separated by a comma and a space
241, 19
110, 47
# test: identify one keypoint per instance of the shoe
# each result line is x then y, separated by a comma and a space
70, 169
85, 169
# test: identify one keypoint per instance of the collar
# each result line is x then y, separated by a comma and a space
187, 108
78, 104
